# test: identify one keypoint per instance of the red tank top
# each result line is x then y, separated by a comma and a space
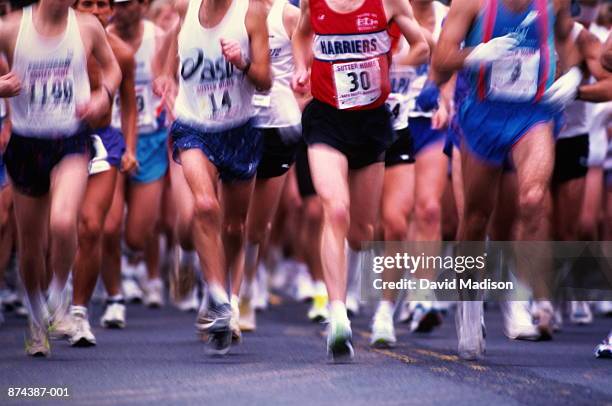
351, 51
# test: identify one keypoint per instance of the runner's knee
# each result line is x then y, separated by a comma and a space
207, 209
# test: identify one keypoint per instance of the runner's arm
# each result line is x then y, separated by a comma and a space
127, 97
590, 48
102, 52
564, 24
404, 18
449, 56
291, 19
256, 24
606, 55
302, 39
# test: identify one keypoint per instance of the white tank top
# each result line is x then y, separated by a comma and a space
440, 12
147, 104
2, 101
576, 113
213, 94
53, 74
278, 108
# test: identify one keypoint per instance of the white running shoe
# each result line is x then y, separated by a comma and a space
303, 284
82, 335
154, 294
352, 305
114, 315
260, 288
580, 313
190, 303
248, 319
604, 350
37, 345
318, 312
544, 316
131, 290
518, 323
405, 313
340, 341
383, 331
235, 321
604, 308
468, 320
424, 318
61, 327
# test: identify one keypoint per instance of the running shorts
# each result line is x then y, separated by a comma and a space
302, 172
280, 147
362, 136
152, 156
236, 152
402, 151
30, 161
109, 147
571, 158
422, 134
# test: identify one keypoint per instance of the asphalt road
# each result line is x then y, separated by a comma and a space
157, 359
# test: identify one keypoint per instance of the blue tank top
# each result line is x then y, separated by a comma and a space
530, 69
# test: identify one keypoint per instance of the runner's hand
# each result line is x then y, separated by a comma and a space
427, 100
564, 90
301, 82
129, 164
232, 53
165, 87
96, 108
10, 85
440, 119
495, 49
5, 134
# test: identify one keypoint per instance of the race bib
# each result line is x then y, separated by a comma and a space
144, 106
357, 83
262, 100
515, 78
398, 106
216, 104
50, 92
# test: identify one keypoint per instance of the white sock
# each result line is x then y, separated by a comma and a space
78, 310
320, 288
338, 312
217, 293
57, 297
251, 254
386, 305
37, 309
353, 261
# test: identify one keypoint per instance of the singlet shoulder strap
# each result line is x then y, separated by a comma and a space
276, 16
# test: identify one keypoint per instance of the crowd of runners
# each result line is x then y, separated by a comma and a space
206, 152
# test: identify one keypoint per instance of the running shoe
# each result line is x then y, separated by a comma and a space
114, 315
20, 310
340, 341
468, 321
154, 294
8, 299
557, 323
217, 322
189, 303
352, 305
580, 313
318, 312
82, 335
260, 288
131, 290
61, 327
604, 350
518, 323
248, 320
235, 320
37, 345
604, 308
383, 331
303, 288
424, 317
405, 313
544, 316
